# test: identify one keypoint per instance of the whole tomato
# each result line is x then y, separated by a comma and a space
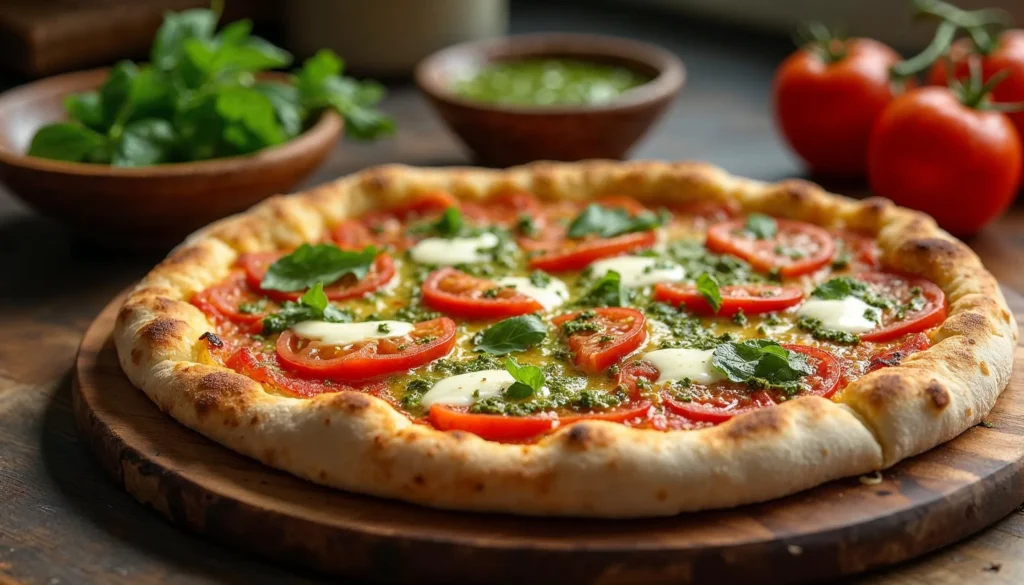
1007, 55
827, 101
931, 151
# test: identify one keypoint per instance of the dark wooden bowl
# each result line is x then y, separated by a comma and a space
505, 135
146, 206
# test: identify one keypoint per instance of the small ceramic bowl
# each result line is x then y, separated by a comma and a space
144, 206
505, 135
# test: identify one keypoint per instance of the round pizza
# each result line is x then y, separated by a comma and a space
592, 339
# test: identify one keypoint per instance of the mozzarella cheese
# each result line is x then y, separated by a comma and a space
551, 295
451, 251
346, 333
465, 389
676, 364
846, 314
637, 271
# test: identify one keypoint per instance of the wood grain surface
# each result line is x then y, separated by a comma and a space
63, 521
837, 529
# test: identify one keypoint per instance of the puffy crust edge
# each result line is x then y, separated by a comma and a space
357, 442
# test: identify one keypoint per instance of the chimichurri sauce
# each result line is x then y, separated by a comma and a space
549, 82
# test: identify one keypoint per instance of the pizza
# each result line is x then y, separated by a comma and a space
596, 339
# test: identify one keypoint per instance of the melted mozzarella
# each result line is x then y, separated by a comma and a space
637, 271
553, 294
846, 314
465, 389
346, 333
676, 364
451, 251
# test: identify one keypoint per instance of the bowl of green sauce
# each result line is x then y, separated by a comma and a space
550, 96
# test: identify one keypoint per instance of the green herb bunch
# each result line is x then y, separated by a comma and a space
200, 98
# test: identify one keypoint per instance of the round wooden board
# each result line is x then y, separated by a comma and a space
836, 529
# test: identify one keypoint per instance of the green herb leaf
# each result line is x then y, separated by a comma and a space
607, 222
285, 99
836, 288
251, 119
312, 306
309, 265
608, 291
177, 28
707, 286
146, 142
65, 141
761, 362
448, 225
514, 334
528, 380
321, 86
85, 108
762, 227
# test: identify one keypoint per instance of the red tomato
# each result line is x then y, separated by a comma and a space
454, 292
381, 272
266, 369
750, 298
899, 287
862, 250
797, 248
826, 110
895, 356
496, 427
1008, 56
616, 332
701, 213
576, 255
369, 358
388, 226
504, 210
930, 152
222, 302
721, 401
351, 234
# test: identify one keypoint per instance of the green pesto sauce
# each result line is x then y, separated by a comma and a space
549, 82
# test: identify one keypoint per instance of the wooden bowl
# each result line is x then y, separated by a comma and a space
505, 135
146, 206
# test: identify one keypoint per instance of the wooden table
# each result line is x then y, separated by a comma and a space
63, 522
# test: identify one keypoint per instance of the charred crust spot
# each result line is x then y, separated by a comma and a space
478, 487
351, 402
459, 435
376, 181
938, 394
212, 339
163, 331
419, 480
322, 475
661, 495
136, 355
984, 368
971, 325
327, 422
885, 390
269, 456
579, 436
215, 389
935, 251
797, 191
766, 421
875, 205
255, 420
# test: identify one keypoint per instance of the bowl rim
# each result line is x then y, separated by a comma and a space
669, 80
327, 125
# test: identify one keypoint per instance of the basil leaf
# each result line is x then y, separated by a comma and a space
707, 286
514, 334
321, 86
528, 380
85, 108
145, 142
66, 141
309, 265
762, 227
448, 225
607, 222
250, 117
177, 28
762, 362
285, 99
608, 291
311, 306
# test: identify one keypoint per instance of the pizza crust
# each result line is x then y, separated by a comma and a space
357, 442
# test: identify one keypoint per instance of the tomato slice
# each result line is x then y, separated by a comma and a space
504, 209
701, 213
721, 401
454, 292
750, 298
352, 234
368, 358
614, 332
222, 302
899, 287
893, 357
496, 427
381, 272
388, 226
576, 255
797, 248
266, 369
862, 249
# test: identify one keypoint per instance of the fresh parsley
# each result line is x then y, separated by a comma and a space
199, 98
310, 264
607, 222
311, 306
707, 286
514, 334
607, 291
528, 380
761, 226
762, 363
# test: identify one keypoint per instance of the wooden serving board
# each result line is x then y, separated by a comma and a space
840, 528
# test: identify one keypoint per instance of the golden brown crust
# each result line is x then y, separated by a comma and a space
358, 442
